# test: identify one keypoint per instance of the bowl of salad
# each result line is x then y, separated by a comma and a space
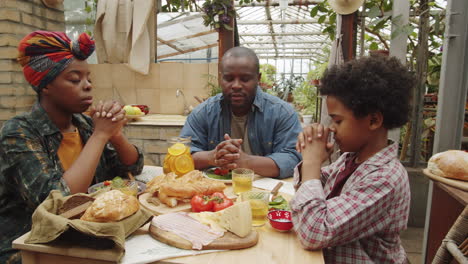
117, 183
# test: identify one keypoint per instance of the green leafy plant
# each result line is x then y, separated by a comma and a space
285, 87
212, 85
90, 9
218, 13
306, 94
267, 79
379, 21
318, 70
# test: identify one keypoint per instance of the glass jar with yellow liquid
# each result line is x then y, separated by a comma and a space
258, 204
242, 180
178, 158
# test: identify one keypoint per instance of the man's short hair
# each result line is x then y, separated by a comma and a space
239, 52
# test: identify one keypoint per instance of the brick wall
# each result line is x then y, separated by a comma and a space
17, 19
152, 140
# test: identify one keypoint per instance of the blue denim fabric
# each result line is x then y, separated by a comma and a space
273, 126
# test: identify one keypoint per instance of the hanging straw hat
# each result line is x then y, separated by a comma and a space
344, 7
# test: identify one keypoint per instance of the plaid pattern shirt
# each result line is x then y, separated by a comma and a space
363, 223
30, 168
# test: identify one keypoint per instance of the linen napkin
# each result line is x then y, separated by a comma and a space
47, 226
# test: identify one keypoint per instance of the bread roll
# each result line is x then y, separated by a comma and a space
450, 164
111, 206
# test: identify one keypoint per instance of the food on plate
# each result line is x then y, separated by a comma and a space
178, 160
72, 203
188, 228
216, 202
132, 110
111, 206
450, 164
170, 189
236, 219
117, 183
278, 203
220, 171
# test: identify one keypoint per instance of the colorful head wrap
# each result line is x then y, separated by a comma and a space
45, 54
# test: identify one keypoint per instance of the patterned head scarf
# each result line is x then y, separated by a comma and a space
44, 55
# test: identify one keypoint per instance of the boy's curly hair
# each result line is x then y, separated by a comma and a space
372, 84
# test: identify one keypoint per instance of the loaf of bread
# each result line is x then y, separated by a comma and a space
191, 184
74, 201
111, 206
450, 164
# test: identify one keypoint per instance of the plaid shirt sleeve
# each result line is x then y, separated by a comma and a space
355, 214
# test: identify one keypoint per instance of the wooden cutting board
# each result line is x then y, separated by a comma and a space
181, 206
228, 241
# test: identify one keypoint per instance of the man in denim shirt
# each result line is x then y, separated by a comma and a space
244, 127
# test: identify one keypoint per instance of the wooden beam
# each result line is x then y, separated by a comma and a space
286, 42
276, 3
187, 51
276, 22
287, 48
284, 53
348, 43
282, 34
169, 44
225, 39
192, 36
286, 57
270, 26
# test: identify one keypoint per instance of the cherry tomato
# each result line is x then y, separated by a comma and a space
201, 203
220, 201
219, 171
224, 171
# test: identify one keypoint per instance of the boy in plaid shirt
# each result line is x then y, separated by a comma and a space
355, 208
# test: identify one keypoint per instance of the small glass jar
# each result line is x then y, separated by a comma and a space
178, 158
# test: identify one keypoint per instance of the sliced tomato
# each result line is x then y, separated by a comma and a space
220, 201
201, 203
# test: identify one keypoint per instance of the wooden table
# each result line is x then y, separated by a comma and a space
273, 247
447, 204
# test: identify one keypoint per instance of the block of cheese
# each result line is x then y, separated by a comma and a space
236, 219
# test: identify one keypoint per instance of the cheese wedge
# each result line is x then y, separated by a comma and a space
236, 219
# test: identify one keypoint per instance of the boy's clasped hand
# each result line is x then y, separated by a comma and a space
313, 143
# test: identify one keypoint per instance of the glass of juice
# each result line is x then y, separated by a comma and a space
259, 205
242, 180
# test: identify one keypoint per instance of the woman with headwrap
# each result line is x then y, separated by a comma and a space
55, 146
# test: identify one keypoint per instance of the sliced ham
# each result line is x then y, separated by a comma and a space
188, 228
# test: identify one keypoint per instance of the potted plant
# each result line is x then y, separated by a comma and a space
316, 74
305, 100
267, 80
285, 87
